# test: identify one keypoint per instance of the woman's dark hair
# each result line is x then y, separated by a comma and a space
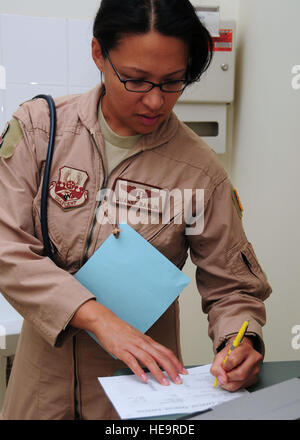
174, 18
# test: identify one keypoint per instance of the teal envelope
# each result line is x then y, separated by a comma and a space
132, 278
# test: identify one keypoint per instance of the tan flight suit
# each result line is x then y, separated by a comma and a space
57, 365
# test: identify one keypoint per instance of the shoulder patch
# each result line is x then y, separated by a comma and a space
237, 202
10, 138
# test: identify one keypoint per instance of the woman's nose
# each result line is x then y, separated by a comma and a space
154, 99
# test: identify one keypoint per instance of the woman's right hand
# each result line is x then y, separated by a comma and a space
128, 344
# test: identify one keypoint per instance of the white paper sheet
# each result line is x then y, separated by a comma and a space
135, 399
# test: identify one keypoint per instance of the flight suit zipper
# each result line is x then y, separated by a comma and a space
103, 186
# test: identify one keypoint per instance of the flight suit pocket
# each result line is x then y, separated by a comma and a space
248, 272
243, 262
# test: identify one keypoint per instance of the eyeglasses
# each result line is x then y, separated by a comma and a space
141, 86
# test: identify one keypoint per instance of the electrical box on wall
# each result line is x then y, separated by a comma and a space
204, 105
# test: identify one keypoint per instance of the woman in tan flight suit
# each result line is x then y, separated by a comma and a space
148, 52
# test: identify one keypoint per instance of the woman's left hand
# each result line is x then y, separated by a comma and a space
241, 368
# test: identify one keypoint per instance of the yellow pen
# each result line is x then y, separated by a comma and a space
236, 343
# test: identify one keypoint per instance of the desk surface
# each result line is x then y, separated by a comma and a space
275, 372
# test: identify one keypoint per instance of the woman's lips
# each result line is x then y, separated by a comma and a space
149, 120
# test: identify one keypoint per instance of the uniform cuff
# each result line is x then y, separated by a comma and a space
258, 343
254, 331
68, 331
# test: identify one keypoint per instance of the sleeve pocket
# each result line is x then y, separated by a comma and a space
250, 260
243, 262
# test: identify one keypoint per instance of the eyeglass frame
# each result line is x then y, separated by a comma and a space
160, 85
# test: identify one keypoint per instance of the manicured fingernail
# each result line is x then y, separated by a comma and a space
178, 380
165, 381
144, 377
184, 371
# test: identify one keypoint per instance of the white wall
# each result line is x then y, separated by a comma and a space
266, 156
55, 58
263, 156
55, 8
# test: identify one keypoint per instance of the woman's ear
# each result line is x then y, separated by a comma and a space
97, 54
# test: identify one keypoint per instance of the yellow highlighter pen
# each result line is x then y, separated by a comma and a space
235, 344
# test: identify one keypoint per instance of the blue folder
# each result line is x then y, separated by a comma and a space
132, 278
